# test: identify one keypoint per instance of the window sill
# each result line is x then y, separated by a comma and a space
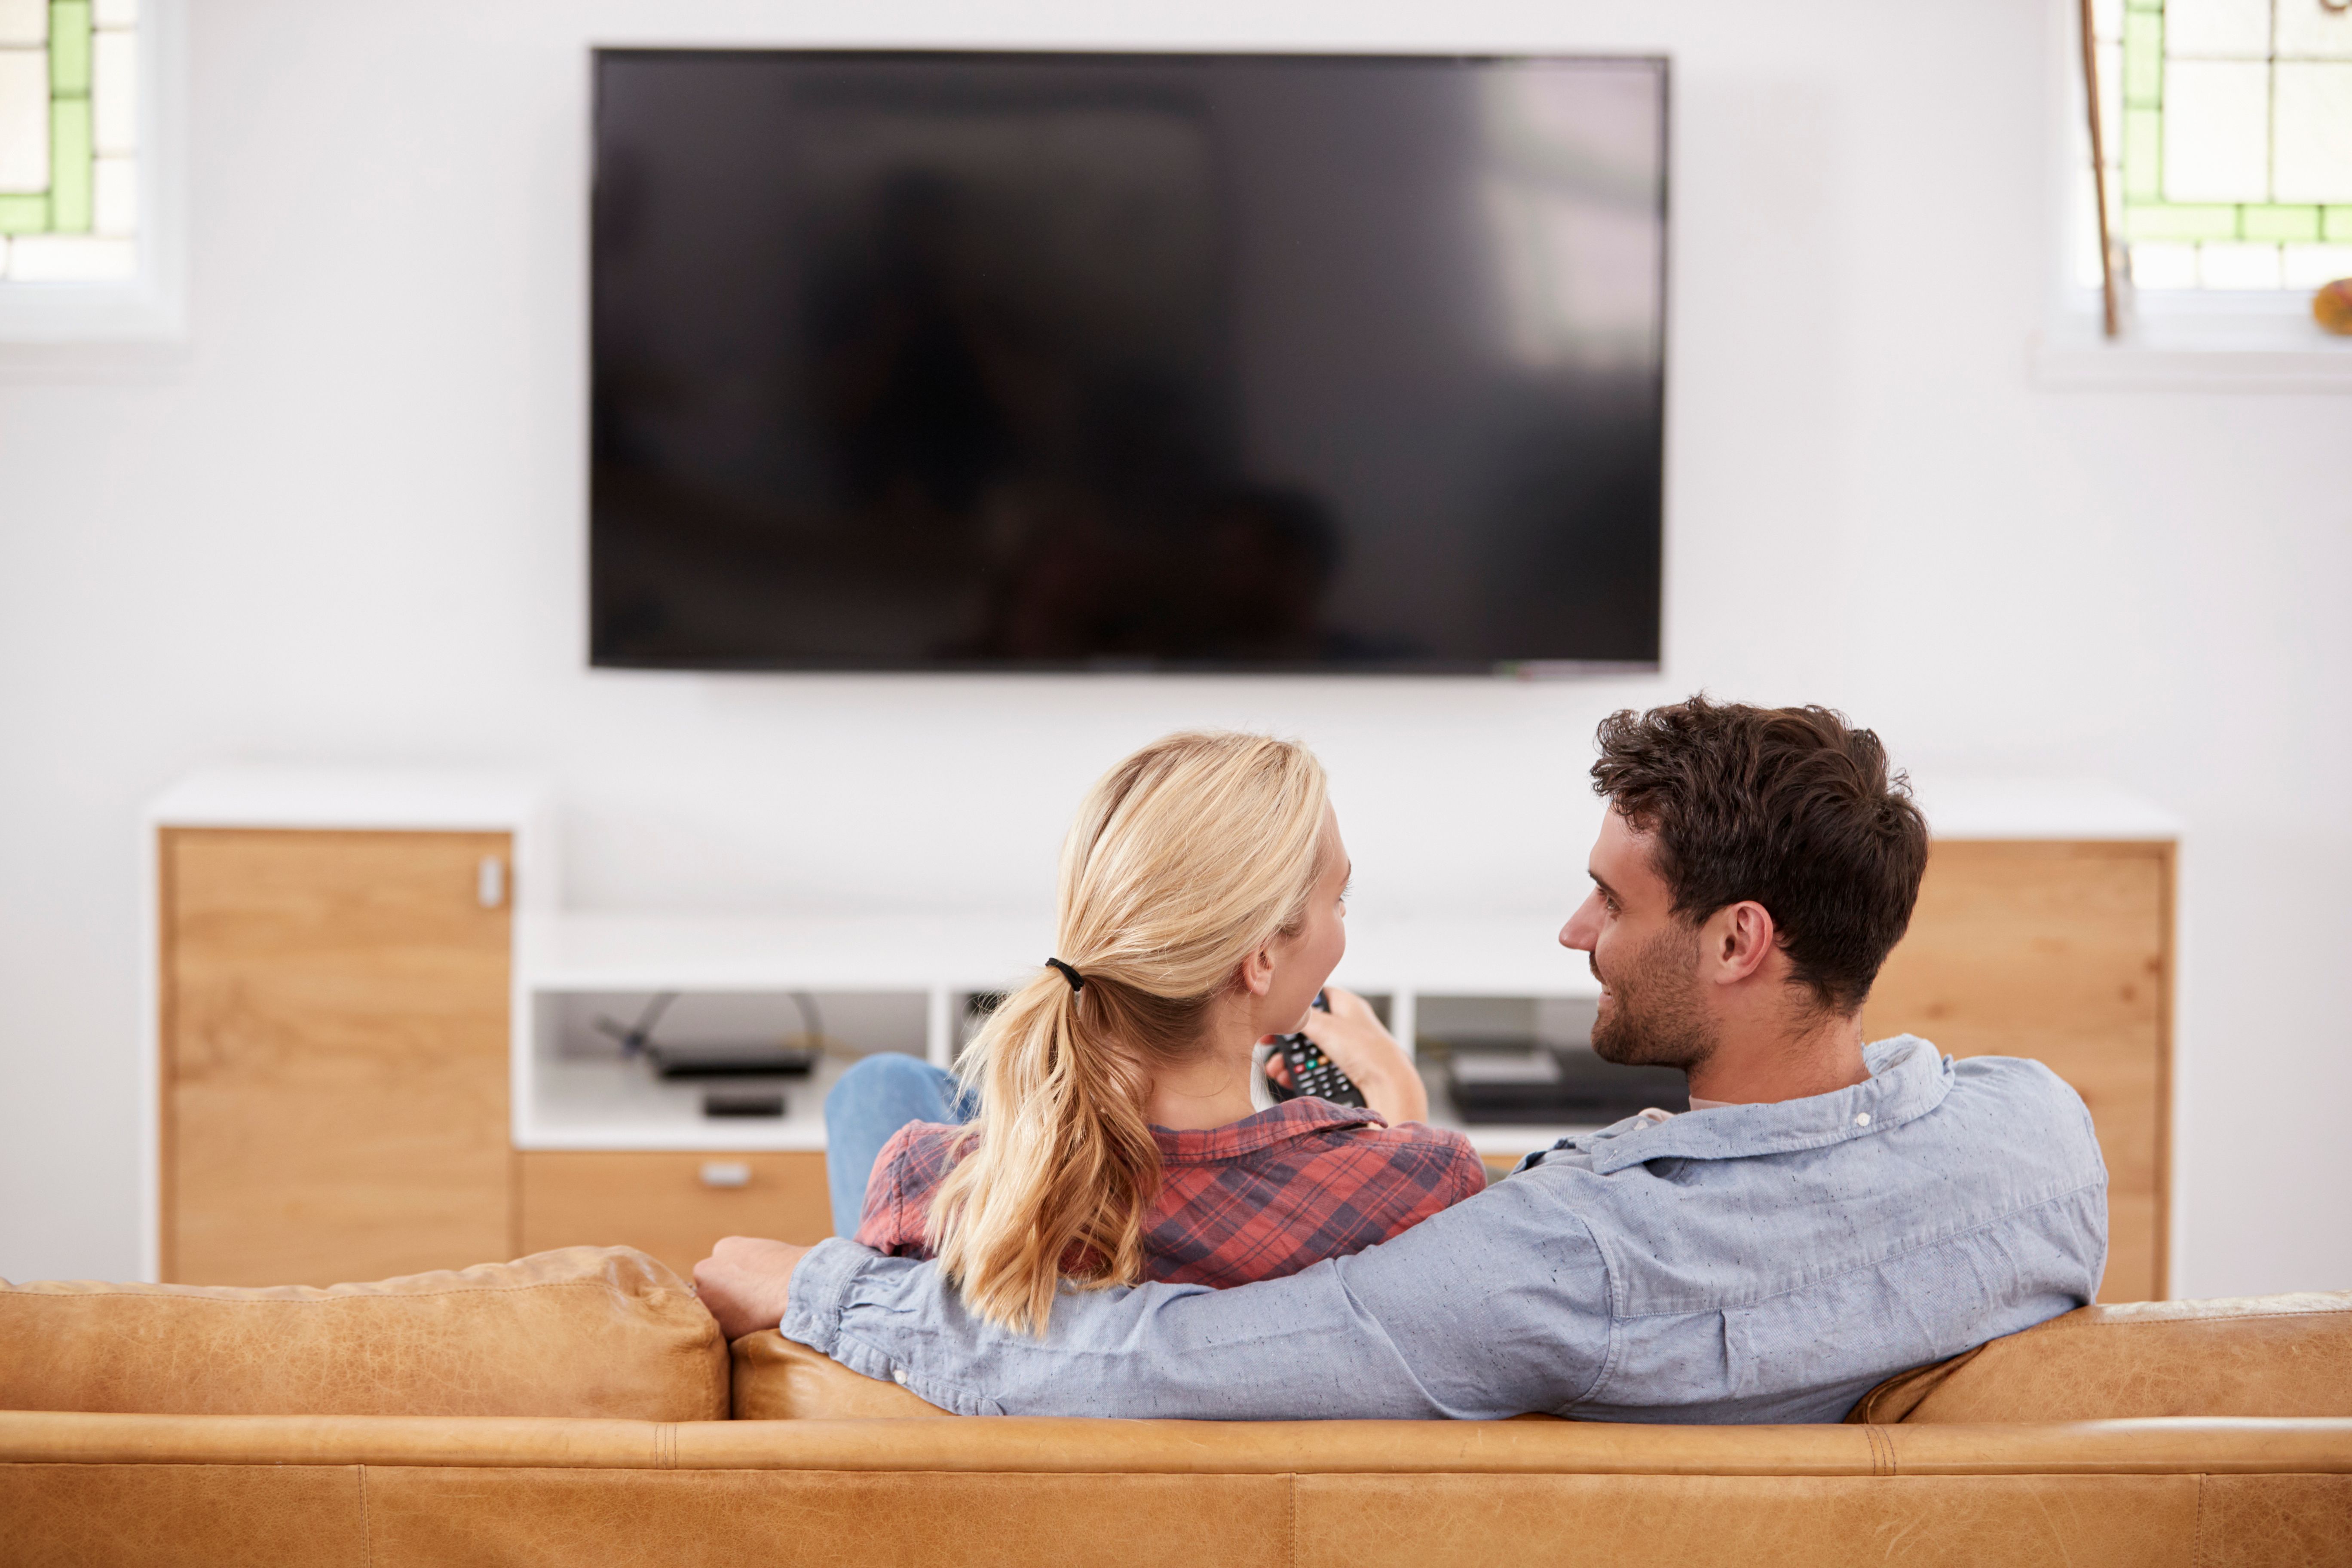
2267, 343
138, 309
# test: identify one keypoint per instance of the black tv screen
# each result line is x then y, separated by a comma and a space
1036, 361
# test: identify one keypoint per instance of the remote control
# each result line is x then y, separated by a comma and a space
1312, 1072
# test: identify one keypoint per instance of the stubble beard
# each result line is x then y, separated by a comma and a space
1656, 1018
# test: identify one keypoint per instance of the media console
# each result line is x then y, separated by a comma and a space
377, 1045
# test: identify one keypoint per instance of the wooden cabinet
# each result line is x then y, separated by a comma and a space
673, 1205
333, 1071
2061, 952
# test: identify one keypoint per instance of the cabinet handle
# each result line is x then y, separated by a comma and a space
726, 1173
490, 882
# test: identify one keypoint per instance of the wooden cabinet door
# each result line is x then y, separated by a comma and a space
673, 1205
334, 1039
2061, 952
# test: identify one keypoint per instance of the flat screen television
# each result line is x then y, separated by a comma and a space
966, 360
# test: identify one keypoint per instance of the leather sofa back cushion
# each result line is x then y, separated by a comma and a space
2261, 1356
777, 1379
584, 1331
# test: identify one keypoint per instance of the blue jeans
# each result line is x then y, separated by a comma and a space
871, 1102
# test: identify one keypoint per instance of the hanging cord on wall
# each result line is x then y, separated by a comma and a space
635, 1038
812, 1024
2115, 261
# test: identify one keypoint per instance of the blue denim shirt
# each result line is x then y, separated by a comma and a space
1750, 1263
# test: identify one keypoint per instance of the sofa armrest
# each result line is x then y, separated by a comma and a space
2256, 1356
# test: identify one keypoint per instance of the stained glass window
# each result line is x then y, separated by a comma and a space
69, 140
2228, 131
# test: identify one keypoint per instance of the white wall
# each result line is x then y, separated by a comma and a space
346, 523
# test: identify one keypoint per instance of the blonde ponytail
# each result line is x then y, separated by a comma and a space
1186, 858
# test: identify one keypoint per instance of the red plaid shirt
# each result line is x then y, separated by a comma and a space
1255, 1199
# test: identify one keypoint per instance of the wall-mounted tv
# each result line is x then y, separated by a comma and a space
977, 361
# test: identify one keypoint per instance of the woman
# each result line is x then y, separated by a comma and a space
1112, 1135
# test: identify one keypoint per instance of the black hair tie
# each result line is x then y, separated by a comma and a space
1077, 980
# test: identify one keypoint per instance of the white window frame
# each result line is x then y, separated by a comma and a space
151, 305
2258, 341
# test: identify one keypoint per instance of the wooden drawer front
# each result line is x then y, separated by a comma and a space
2060, 952
666, 1203
334, 1043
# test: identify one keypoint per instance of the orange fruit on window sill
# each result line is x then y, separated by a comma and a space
2332, 306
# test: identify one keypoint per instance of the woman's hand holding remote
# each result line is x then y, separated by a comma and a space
1351, 1035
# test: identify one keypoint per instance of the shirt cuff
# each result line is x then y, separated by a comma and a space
812, 1307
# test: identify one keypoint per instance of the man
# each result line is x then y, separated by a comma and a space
1827, 1214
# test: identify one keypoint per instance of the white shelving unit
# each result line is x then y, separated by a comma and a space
568, 1097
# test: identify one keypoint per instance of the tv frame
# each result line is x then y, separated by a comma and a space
1130, 665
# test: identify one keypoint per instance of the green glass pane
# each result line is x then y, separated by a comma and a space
2143, 154
2280, 222
2338, 224
24, 214
69, 48
2158, 220
2142, 6
69, 171
2144, 59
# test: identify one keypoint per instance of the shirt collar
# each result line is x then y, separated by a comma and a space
1908, 1079
1292, 1119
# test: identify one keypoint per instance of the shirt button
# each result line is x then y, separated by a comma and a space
898, 1377
1861, 1119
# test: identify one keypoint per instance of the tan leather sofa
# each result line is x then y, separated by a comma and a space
578, 1406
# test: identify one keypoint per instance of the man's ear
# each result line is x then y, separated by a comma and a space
1738, 941
1256, 972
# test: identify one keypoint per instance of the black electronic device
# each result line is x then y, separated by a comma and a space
1311, 1072
1540, 1084
993, 360
739, 1103
753, 1060
730, 1059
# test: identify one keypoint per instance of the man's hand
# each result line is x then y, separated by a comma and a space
746, 1282
1351, 1034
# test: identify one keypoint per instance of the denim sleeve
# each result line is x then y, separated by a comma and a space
1494, 1307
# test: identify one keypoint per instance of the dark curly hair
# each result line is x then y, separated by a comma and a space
1792, 807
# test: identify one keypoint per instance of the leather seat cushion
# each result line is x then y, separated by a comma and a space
581, 1331
2260, 1355
777, 1379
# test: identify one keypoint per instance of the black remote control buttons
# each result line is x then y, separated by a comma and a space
1312, 1072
